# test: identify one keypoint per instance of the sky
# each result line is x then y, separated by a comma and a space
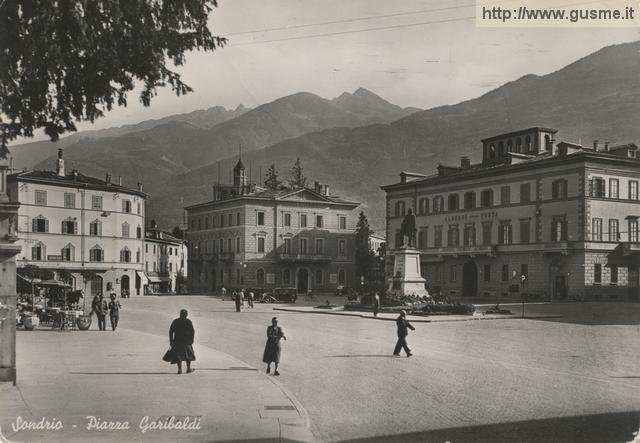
421, 53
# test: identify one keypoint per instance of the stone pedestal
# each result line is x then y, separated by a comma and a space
406, 278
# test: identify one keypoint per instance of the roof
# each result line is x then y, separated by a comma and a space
239, 165
519, 132
161, 236
74, 179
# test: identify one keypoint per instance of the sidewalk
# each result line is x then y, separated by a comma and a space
119, 377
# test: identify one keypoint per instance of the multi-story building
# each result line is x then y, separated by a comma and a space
254, 237
165, 262
535, 217
73, 223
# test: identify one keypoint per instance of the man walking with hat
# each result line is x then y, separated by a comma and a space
403, 331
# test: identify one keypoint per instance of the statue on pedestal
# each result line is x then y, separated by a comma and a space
408, 228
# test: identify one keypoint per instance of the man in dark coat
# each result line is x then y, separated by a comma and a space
101, 309
403, 327
238, 299
181, 335
114, 311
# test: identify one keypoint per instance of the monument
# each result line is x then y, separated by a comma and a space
406, 279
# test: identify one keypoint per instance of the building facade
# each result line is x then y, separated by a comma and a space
165, 262
534, 217
261, 238
71, 223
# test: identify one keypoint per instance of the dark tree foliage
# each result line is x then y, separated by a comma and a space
178, 232
272, 181
364, 255
297, 180
68, 60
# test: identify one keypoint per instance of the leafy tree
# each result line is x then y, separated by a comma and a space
62, 61
178, 232
297, 180
364, 255
272, 181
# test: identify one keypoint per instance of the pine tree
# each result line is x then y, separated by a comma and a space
364, 255
297, 180
272, 182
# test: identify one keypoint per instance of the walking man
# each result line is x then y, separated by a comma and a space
251, 296
238, 301
403, 326
114, 311
102, 308
376, 304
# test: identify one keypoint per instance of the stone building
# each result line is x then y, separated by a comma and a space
248, 236
533, 217
165, 262
69, 222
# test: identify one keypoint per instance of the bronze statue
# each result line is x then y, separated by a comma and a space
408, 228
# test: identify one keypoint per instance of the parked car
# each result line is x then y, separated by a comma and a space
265, 298
284, 295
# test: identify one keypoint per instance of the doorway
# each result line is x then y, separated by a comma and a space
560, 287
124, 285
469, 279
303, 281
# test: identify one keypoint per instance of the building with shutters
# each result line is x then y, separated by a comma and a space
252, 237
165, 262
534, 217
69, 223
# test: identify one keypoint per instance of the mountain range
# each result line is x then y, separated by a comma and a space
358, 142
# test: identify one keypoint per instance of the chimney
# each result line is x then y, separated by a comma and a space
140, 186
107, 178
595, 145
326, 190
119, 180
606, 146
465, 163
316, 186
60, 164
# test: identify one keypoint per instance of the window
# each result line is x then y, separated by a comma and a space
439, 273
41, 198
126, 206
614, 230
505, 195
342, 277
613, 187
525, 229
229, 245
260, 244
95, 228
422, 239
68, 253
139, 209
222, 219
596, 229
146, 248
287, 219
559, 190
614, 275
69, 200
319, 246
525, 193
286, 277
230, 219
399, 209
527, 143
633, 190
213, 221
342, 247
125, 255
303, 246
260, 276
453, 202
238, 219
505, 236
597, 273
505, 272
237, 244
38, 252
303, 220
437, 236
96, 254
423, 206
486, 273
510, 146
138, 232
453, 236
453, 273
596, 187
469, 236
501, 149
125, 229
318, 274
96, 202
486, 198
206, 222
518, 144
342, 222
40, 224
319, 221
633, 230
438, 204
286, 246
469, 200
260, 218
486, 233
559, 230
221, 245
69, 226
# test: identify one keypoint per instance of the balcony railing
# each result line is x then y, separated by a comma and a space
300, 258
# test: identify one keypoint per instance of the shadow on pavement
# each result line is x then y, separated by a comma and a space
600, 428
593, 313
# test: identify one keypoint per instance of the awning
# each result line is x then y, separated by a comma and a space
143, 278
156, 279
625, 255
45, 283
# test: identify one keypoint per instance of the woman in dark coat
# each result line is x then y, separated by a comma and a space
272, 348
181, 335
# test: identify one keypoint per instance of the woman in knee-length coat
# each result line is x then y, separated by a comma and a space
272, 348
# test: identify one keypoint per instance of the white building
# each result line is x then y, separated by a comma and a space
165, 262
74, 223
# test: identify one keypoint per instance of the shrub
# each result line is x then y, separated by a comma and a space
450, 308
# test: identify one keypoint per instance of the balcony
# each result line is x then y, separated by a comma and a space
304, 258
454, 251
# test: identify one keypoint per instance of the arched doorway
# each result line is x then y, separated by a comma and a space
303, 281
470, 279
124, 285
